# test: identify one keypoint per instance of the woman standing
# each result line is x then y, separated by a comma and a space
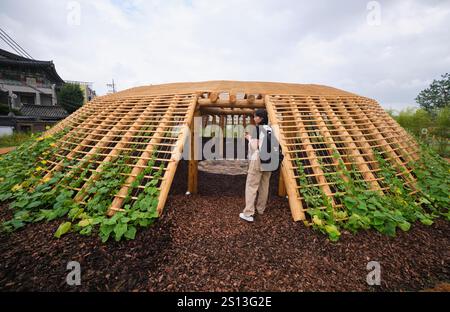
257, 185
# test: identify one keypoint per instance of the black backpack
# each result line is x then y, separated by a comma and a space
270, 154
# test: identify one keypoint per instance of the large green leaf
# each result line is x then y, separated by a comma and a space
119, 230
63, 229
131, 232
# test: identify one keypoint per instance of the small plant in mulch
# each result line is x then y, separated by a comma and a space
35, 196
361, 208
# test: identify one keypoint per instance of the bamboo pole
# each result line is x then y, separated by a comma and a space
116, 204
288, 175
176, 156
383, 118
308, 147
105, 113
82, 112
386, 146
359, 137
352, 148
124, 141
246, 103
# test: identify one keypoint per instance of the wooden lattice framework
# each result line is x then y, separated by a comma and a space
312, 122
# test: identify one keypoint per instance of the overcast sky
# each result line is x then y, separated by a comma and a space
386, 50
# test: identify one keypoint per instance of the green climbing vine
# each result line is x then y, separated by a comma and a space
34, 198
363, 208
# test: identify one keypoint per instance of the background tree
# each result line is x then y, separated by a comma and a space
70, 97
434, 130
414, 119
436, 96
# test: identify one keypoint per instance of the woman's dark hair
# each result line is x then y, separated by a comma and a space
262, 113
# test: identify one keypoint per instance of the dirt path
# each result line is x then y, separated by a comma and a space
4, 150
201, 245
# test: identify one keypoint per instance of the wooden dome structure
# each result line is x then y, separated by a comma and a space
313, 124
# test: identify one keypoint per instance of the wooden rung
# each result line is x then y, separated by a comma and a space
118, 200
125, 139
309, 150
295, 205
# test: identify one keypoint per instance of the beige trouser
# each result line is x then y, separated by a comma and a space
257, 182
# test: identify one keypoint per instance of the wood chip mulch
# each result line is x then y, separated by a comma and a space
201, 245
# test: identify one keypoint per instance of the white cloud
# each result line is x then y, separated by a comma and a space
140, 42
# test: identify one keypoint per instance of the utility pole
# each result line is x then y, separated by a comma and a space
112, 86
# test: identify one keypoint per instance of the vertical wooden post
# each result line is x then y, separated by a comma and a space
193, 157
281, 186
222, 136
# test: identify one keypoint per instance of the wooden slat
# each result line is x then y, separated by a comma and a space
116, 205
352, 148
71, 125
295, 205
411, 146
361, 140
386, 146
171, 168
309, 150
326, 135
82, 112
104, 142
103, 117
124, 141
226, 103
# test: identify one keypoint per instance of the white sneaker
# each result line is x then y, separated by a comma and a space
244, 217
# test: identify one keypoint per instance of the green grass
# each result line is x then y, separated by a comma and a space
15, 139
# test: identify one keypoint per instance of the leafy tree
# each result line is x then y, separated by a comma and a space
4, 110
414, 119
443, 118
436, 96
70, 97
438, 126
442, 131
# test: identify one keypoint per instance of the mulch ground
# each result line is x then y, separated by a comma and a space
201, 245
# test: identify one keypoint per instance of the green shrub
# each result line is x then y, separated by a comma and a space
432, 129
70, 97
